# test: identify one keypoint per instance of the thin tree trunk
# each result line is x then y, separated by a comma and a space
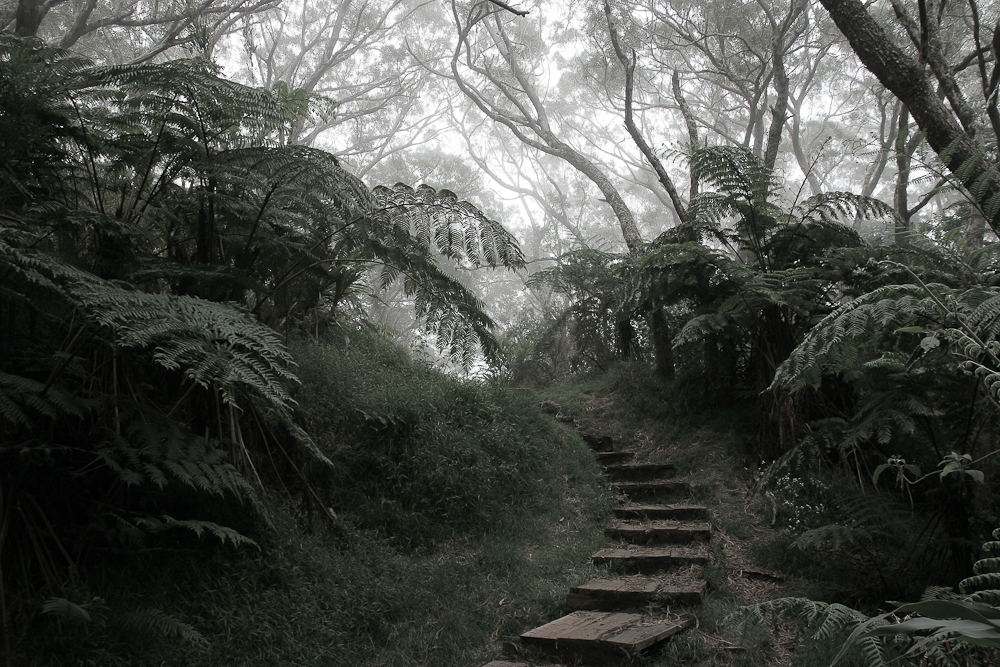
663, 348
903, 158
633, 130
779, 112
692, 126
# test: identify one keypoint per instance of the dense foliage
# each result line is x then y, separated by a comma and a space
154, 237
172, 248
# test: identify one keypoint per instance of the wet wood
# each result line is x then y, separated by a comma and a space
613, 458
675, 511
640, 472
650, 559
641, 637
596, 633
642, 491
616, 593
659, 532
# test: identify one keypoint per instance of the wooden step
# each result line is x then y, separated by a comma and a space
585, 635
640, 491
650, 559
659, 532
615, 593
676, 511
612, 458
640, 472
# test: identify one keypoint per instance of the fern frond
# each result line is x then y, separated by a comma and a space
838, 207
154, 450
735, 172
160, 622
212, 343
65, 609
198, 527
824, 622
456, 229
885, 308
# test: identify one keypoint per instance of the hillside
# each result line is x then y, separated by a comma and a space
455, 517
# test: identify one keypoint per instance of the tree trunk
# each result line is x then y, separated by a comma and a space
910, 82
692, 126
633, 129
779, 112
626, 339
29, 17
663, 348
903, 158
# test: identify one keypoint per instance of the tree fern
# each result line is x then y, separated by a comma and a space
197, 526
984, 585
456, 229
153, 233
162, 623
823, 622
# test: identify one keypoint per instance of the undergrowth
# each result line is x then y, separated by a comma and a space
464, 516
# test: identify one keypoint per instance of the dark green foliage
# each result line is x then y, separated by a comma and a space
153, 231
450, 553
748, 278
441, 456
595, 285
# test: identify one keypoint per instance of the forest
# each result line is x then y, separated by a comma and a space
312, 312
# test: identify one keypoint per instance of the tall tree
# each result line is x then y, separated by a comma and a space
490, 67
149, 28
950, 125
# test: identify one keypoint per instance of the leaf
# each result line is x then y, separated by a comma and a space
68, 610
928, 343
949, 468
878, 472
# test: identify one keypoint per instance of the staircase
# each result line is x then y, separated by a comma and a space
659, 540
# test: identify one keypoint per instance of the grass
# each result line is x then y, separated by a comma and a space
470, 513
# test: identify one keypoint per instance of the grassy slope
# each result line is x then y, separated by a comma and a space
470, 513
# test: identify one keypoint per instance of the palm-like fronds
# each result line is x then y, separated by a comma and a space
153, 230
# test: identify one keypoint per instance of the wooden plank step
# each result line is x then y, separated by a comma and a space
614, 593
612, 458
640, 472
592, 634
659, 532
640, 491
650, 559
675, 511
